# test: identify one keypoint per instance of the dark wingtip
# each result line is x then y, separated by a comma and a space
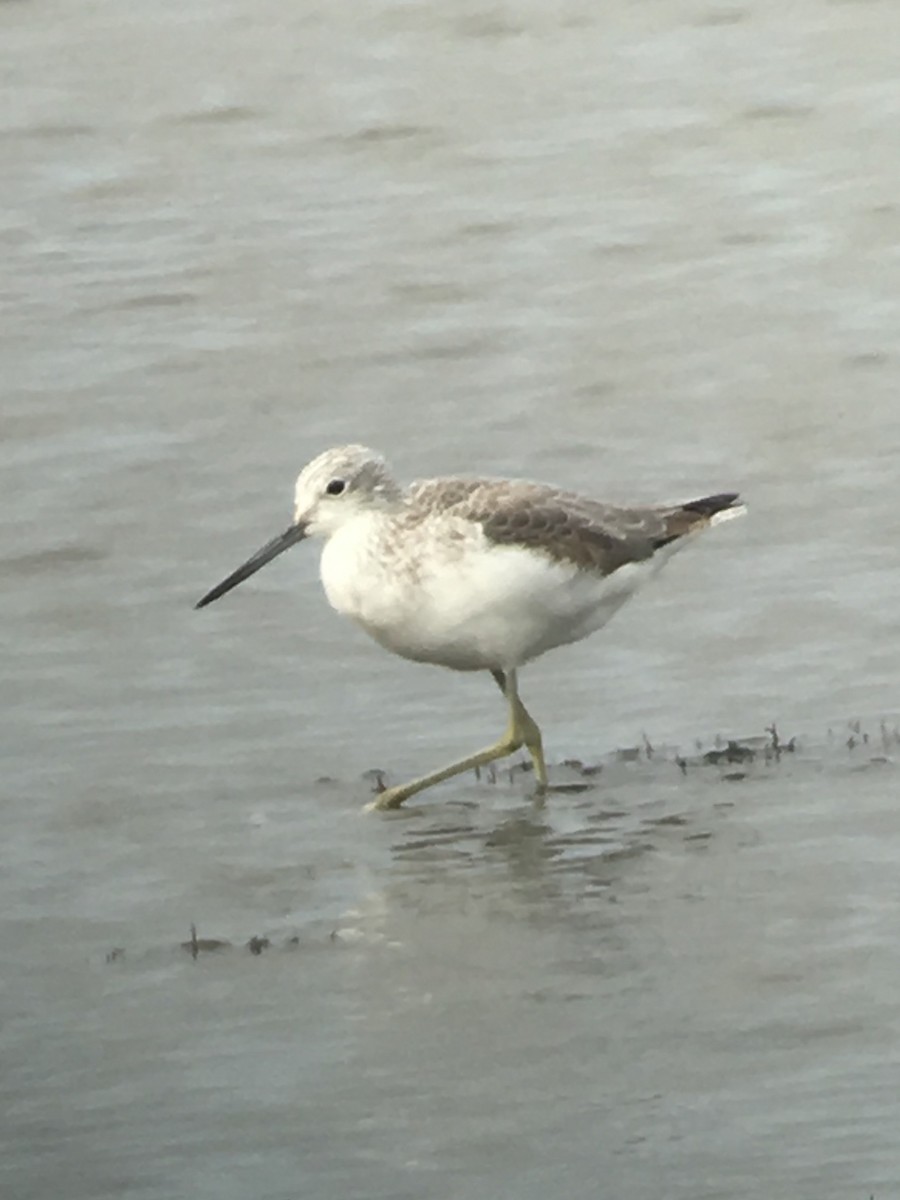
687, 518
708, 506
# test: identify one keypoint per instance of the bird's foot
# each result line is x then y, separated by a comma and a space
391, 797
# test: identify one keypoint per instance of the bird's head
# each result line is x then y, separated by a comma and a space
334, 488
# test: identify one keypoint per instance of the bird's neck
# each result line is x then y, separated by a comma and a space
353, 557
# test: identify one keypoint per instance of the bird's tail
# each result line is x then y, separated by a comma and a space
713, 509
699, 514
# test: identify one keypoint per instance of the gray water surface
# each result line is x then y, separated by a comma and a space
647, 251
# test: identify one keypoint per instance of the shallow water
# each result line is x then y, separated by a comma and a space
647, 255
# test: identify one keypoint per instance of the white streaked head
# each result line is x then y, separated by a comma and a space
336, 487
339, 485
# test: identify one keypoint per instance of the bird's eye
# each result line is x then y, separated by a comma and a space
336, 486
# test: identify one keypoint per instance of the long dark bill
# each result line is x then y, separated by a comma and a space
264, 555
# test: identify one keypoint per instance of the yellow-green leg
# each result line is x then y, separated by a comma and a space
521, 730
526, 724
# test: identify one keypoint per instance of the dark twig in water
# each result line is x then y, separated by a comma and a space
377, 777
198, 945
733, 752
776, 747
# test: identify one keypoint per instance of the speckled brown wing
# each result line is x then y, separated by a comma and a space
563, 525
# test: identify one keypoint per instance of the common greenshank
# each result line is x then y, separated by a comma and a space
475, 574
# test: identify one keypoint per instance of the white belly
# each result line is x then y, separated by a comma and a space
468, 604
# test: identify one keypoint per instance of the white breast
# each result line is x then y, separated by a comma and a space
349, 566
452, 598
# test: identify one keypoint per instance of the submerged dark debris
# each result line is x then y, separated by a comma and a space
195, 946
734, 757
767, 747
851, 746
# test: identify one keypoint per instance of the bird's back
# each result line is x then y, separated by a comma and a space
563, 525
